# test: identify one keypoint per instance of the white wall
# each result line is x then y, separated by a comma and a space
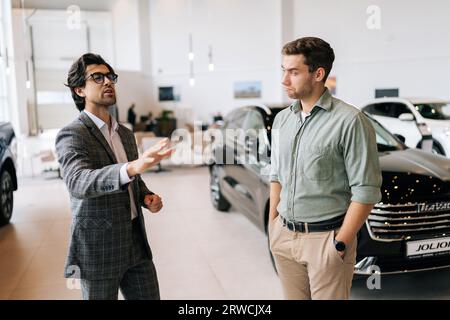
246, 41
24, 98
115, 35
134, 87
125, 14
10, 79
145, 39
149, 47
55, 49
411, 50
132, 44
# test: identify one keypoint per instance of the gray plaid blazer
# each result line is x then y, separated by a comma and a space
101, 232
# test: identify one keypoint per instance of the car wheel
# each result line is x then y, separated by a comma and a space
6, 197
437, 149
218, 200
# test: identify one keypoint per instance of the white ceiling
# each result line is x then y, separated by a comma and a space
90, 5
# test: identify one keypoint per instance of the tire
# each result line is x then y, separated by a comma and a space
218, 200
6, 197
437, 149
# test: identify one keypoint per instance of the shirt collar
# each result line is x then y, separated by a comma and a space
324, 102
100, 123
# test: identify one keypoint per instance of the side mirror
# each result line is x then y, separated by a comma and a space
400, 137
406, 117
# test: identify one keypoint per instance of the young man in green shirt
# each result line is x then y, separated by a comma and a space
325, 178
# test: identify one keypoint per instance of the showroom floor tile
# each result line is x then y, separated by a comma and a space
199, 253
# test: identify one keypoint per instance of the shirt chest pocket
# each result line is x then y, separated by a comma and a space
317, 163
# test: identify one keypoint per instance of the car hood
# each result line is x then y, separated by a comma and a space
433, 123
437, 125
416, 162
414, 176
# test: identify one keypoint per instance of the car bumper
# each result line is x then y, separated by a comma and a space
370, 265
376, 257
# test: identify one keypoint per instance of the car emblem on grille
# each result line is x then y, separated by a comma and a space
438, 206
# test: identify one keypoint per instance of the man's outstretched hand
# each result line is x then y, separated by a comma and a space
151, 157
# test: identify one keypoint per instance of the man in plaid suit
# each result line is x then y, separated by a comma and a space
101, 168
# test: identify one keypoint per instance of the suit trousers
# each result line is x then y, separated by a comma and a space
139, 282
308, 264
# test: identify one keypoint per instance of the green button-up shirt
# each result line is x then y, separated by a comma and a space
325, 162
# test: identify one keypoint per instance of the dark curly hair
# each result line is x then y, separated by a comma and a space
77, 75
316, 51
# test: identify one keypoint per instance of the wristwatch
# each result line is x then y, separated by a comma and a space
339, 245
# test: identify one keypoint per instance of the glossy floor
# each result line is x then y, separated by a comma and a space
199, 253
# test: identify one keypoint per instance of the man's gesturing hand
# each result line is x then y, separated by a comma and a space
153, 202
150, 158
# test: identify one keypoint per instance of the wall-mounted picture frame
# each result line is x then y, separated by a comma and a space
381, 93
168, 93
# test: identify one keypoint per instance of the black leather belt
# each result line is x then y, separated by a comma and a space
326, 225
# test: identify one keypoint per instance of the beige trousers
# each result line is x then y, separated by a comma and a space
309, 265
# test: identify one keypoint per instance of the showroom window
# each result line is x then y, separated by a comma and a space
4, 114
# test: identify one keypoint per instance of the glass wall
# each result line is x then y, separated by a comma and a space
4, 67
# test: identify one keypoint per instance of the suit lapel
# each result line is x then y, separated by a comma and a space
98, 135
131, 155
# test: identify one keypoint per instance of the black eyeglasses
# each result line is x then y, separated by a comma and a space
99, 77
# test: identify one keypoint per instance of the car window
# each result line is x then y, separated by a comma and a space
378, 109
438, 111
385, 140
253, 120
387, 109
235, 119
398, 109
255, 132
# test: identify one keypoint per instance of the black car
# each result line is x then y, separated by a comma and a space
409, 230
8, 178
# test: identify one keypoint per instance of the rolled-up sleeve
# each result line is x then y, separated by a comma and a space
274, 153
361, 160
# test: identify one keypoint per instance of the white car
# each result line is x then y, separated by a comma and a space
415, 119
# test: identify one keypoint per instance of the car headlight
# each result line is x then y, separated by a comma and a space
424, 129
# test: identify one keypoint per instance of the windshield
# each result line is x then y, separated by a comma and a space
437, 111
385, 140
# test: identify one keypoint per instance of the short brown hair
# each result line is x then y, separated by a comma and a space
316, 51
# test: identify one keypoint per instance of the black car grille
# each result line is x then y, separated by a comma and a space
407, 221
